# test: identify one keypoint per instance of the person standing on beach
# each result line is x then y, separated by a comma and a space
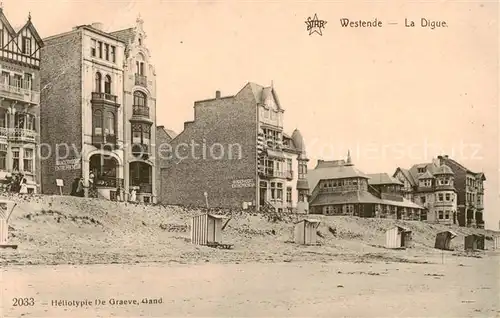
80, 190
23, 186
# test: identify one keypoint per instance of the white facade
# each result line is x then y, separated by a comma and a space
95, 47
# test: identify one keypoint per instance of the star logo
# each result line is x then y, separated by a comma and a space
315, 25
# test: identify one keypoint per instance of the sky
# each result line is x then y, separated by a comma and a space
393, 96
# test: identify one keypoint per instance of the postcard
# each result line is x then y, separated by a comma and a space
249, 158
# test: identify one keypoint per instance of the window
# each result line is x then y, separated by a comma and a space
107, 84
28, 81
141, 134
440, 197
19, 120
18, 81
448, 197
113, 54
106, 52
15, 159
348, 208
97, 122
440, 215
273, 190
93, 48
98, 79
280, 191
302, 170
289, 194
421, 170
28, 160
109, 128
30, 122
6, 78
3, 118
99, 47
447, 215
3, 160
26, 46
1, 38
289, 165
139, 98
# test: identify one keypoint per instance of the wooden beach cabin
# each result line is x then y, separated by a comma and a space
305, 232
474, 242
206, 229
6, 208
496, 242
398, 237
443, 240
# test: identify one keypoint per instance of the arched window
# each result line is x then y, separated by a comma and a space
110, 123
97, 122
140, 98
98, 79
107, 84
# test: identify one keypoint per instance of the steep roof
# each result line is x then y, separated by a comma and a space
407, 175
426, 175
382, 178
261, 93
443, 169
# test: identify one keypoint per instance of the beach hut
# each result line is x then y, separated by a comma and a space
443, 240
474, 242
496, 242
206, 229
6, 208
398, 237
305, 231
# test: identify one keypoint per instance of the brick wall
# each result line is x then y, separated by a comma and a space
226, 121
61, 106
162, 138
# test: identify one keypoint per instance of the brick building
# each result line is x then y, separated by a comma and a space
235, 151
451, 193
19, 101
98, 108
339, 188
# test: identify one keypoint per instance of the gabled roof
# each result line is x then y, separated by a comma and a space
14, 34
426, 175
407, 175
170, 133
382, 178
261, 93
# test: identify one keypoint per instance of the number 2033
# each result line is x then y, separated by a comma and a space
23, 302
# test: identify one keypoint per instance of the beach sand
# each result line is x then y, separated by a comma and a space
453, 286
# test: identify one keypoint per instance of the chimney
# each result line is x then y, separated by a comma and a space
97, 25
217, 94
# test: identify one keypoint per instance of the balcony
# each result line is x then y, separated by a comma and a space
108, 182
20, 134
104, 97
141, 80
142, 111
271, 173
20, 94
4, 132
106, 142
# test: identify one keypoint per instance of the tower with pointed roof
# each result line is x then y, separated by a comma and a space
20, 62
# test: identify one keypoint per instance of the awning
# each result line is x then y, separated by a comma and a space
275, 154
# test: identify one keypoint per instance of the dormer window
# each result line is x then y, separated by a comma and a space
421, 170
